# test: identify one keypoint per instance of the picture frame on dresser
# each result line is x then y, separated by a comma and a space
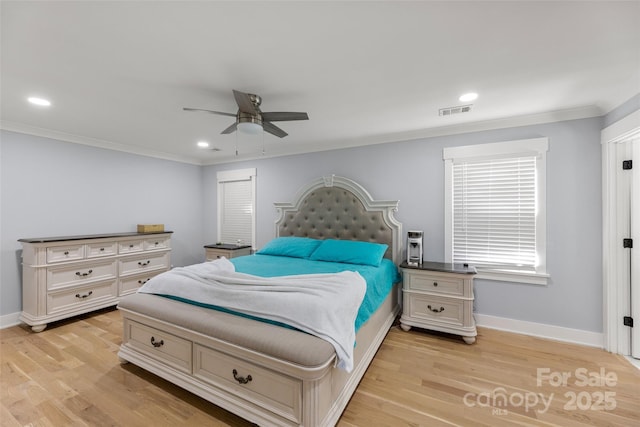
66, 276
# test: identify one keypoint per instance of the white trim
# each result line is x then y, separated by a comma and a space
513, 276
533, 147
557, 333
528, 147
615, 303
248, 174
95, 142
323, 145
9, 320
236, 175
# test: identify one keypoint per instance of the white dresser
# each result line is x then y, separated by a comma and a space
439, 296
67, 276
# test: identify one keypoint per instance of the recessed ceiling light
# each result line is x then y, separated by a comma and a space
203, 144
39, 101
468, 97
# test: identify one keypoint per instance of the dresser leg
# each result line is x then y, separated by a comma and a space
469, 340
38, 328
404, 327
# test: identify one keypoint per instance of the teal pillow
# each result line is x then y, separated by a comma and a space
295, 247
350, 252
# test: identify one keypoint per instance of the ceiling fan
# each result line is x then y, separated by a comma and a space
249, 118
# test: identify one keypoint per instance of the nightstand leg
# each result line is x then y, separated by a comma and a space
469, 340
404, 327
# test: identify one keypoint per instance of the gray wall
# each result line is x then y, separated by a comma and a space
53, 188
413, 172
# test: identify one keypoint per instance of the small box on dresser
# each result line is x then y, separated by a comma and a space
439, 296
70, 275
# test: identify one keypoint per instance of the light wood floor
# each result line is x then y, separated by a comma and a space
69, 375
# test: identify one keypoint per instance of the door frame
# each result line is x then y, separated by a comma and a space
615, 259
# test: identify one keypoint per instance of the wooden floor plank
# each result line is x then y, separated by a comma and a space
69, 375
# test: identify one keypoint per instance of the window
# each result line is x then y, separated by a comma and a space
495, 216
236, 206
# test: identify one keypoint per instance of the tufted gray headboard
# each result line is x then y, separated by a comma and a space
334, 207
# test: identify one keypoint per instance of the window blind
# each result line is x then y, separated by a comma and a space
494, 213
236, 212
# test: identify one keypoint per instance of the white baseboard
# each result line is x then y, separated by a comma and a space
9, 320
557, 333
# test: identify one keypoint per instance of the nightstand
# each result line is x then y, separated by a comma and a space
213, 252
439, 296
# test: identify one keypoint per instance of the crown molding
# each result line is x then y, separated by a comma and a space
479, 126
94, 142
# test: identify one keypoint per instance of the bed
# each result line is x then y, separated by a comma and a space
261, 371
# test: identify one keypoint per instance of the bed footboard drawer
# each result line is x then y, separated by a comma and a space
278, 393
170, 349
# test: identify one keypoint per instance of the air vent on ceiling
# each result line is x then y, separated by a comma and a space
454, 110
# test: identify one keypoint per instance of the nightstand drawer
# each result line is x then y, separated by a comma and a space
436, 309
435, 283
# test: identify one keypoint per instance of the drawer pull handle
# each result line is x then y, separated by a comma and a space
84, 296
155, 343
156, 243
435, 283
101, 249
130, 246
241, 380
66, 252
144, 264
83, 274
436, 310
142, 282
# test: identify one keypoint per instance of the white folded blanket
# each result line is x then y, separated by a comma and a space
324, 305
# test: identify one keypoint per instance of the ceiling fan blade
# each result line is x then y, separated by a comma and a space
230, 129
273, 129
209, 111
244, 103
280, 116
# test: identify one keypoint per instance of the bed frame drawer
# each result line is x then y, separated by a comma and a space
170, 349
278, 393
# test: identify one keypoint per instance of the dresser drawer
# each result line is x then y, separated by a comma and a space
65, 253
156, 243
73, 299
276, 392
170, 349
431, 308
95, 250
130, 246
130, 284
80, 273
147, 262
434, 283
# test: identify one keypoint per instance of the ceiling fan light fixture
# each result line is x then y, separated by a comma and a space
250, 125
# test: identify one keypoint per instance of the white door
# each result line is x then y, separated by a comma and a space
634, 225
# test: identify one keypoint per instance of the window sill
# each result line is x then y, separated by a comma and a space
513, 276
